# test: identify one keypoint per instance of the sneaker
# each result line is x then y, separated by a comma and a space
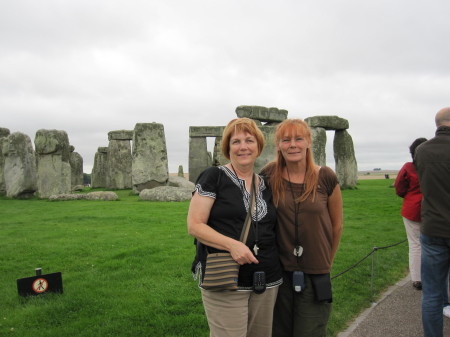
417, 285
447, 311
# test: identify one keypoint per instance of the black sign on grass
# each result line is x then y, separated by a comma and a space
40, 284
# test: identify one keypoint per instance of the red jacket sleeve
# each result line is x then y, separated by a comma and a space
402, 183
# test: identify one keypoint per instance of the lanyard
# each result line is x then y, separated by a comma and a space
298, 249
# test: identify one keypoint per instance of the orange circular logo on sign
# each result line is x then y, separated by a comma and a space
40, 285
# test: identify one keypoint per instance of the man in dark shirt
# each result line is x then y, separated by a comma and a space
432, 162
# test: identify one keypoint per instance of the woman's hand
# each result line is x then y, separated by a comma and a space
241, 253
198, 215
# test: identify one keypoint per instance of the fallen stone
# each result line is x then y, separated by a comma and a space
166, 193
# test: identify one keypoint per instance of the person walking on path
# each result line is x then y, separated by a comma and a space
432, 161
407, 187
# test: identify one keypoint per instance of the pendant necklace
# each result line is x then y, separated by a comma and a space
298, 249
255, 223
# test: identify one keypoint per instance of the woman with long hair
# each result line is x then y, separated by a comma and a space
309, 212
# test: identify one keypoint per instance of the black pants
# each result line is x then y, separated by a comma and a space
299, 314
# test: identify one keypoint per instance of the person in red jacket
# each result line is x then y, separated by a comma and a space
407, 186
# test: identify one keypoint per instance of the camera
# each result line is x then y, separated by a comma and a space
298, 281
259, 282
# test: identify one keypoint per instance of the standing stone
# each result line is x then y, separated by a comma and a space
150, 164
100, 168
4, 132
53, 167
319, 142
119, 159
76, 167
199, 158
180, 171
19, 166
344, 156
269, 151
218, 157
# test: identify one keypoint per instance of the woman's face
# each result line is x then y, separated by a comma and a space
293, 147
243, 149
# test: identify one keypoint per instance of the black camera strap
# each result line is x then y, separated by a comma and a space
298, 249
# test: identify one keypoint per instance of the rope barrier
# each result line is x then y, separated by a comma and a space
367, 256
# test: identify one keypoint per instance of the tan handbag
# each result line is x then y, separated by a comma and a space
222, 271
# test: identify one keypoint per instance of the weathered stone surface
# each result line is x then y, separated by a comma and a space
100, 168
119, 162
261, 113
19, 166
180, 182
100, 195
218, 157
344, 156
199, 159
77, 188
206, 131
52, 158
120, 135
166, 193
52, 142
319, 142
4, 132
66, 197
150, 164
76, 168
328, 122
269, 150
180, 171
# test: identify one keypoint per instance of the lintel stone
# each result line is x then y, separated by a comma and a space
120, 135
206, 131
328, 122
261, 113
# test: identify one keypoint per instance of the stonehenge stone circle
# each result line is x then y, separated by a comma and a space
344, 154
150, 167
19, 166
52, 158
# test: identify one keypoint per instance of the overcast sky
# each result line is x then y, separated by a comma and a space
92, 66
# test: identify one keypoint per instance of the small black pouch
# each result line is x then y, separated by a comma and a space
322, 287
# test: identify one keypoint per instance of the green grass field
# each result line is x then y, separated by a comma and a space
126, 264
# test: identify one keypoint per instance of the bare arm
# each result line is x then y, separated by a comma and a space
199, 210
336, 215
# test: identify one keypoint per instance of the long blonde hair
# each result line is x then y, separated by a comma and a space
293, 127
